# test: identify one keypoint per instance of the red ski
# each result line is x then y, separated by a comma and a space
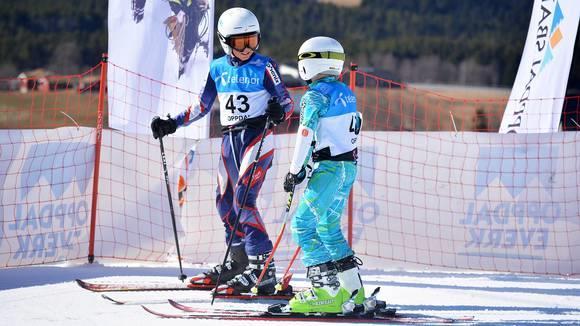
148, 286
223, 291
388, 316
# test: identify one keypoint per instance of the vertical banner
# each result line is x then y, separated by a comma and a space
159, 56
537, 96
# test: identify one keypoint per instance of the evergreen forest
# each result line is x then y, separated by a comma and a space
444, 41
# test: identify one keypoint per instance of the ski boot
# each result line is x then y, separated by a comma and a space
244, 282
350, 278
325, 296
235, 265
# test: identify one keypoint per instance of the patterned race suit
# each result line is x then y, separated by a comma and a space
244, 89
329, 109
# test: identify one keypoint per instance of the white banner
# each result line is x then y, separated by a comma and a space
478, 201
159, 56
133, 213
537, 96
45, 194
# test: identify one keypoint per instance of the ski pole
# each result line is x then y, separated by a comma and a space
244, 198
164, 161
285, 278
280, 234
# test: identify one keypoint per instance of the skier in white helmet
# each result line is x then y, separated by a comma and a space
329, 120
250, 90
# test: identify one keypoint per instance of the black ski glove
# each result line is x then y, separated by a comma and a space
161, 127
294, 179
275, 111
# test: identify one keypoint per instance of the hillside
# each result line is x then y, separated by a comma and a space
445, 41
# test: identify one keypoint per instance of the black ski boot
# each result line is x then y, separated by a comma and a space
244, 282
236, 264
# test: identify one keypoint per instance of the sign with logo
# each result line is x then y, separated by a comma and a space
522, 218
472, 200
159, 56
480, 201
45, 196
537, 96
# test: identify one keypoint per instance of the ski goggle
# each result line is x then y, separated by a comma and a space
321, 55
241, 42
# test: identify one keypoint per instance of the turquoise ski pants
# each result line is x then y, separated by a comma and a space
316, 223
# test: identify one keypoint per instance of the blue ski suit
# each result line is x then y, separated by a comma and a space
243, 89
329, 109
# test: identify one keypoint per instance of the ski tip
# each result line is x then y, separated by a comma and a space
148, 310
151, 311
118, 302
376, 291
85, 285
175, 304
94, 287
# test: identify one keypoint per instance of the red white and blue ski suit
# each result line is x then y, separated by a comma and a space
243, 89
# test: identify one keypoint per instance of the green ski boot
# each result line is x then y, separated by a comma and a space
326, 294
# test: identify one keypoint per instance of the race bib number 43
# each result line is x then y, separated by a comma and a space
236, 108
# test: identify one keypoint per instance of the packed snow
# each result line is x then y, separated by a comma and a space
48, 295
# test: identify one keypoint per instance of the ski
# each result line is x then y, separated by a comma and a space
381, 316
186, 308
130, 287
115, 301
158, 300
251, 296
284, 294
248, 297
372, 304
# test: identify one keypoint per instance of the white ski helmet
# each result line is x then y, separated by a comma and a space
236, 21
320, 55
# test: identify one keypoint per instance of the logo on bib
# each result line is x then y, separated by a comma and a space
343, 100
